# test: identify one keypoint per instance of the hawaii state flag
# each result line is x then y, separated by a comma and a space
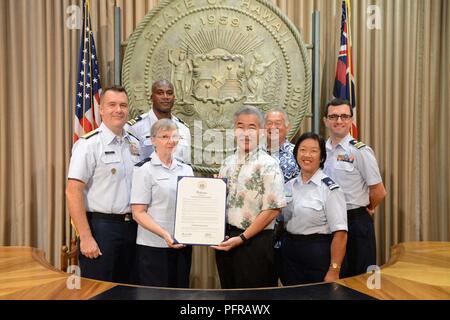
88, 89
344, 85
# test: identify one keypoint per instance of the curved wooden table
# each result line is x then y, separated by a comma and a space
416, 270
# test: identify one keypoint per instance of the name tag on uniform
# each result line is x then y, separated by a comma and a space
162, 179
109, 152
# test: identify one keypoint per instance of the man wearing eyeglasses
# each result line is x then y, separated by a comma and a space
354, 167
163, 99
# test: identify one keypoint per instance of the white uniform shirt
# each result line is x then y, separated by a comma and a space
353, 169
141, 129
313, 207
105, 165
156, 185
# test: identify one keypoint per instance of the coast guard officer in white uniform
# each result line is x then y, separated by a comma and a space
163, 99
98, 193
313, 249
354, 167
160, 261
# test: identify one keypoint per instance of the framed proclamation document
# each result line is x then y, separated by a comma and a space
200, 211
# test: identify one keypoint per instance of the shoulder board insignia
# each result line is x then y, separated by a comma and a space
133, 135
330, 183
140, 164
180, 121
132, 122
357, 144
90, 134
182, 161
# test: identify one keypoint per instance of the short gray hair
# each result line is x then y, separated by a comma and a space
249, 110
162, 125
282, 111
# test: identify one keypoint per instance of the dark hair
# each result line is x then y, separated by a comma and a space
315, 137
338, 102
115, 89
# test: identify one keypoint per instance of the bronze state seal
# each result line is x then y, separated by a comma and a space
220, 55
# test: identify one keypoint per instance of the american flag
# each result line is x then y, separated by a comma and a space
344, 85
88, 89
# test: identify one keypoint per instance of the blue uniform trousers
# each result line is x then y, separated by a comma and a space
361, 244
305, 258
163, 267
116, 239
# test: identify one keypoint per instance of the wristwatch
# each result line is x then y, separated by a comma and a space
244, 238
335, 266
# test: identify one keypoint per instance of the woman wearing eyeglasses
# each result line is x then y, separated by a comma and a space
160, 261
313, 248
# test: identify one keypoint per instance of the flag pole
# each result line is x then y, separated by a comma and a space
352, 88
117, 57
87, 13
316, 72
350, 51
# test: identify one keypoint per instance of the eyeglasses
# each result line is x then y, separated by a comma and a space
167, 138
335, 117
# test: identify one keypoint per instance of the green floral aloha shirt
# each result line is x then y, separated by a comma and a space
255, 183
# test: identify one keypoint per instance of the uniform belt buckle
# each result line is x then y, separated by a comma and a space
127, 217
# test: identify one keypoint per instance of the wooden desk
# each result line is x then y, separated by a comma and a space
416, 270
25, 274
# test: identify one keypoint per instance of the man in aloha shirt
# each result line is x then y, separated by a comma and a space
278, 146
255, 197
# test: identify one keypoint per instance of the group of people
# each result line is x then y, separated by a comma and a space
318, 195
